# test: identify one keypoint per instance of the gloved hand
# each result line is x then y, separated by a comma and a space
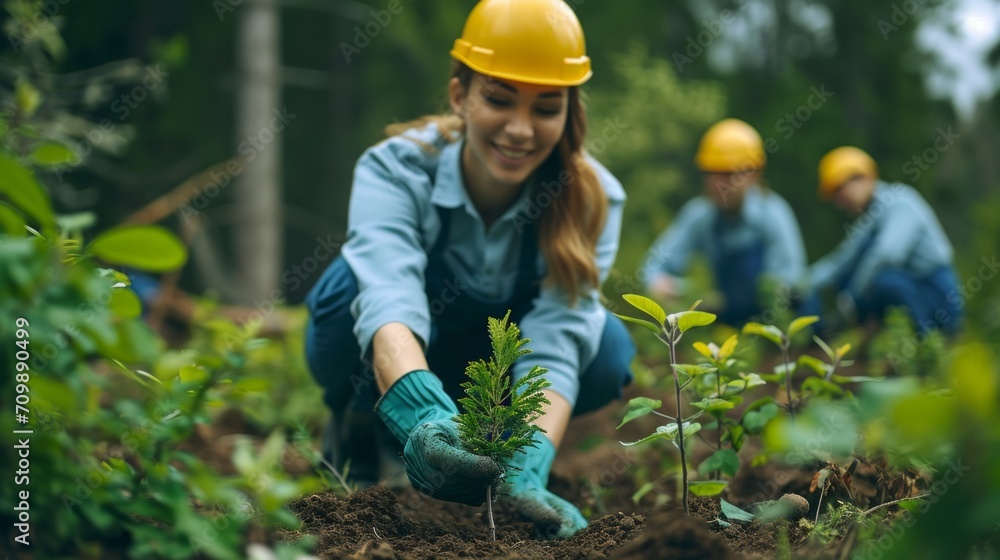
421, 416
525, 489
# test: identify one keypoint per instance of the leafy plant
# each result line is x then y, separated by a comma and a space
489, 426
782, 340
825, 382
113, 453
669, 329
721, 391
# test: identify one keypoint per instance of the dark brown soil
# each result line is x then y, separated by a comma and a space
377, 524
599, 476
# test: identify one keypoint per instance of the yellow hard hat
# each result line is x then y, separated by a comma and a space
841, 164
531, 41
730, 145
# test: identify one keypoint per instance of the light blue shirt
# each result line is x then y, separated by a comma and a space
907, 235
764, 217
393, 224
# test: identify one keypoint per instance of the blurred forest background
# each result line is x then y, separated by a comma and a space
237, 122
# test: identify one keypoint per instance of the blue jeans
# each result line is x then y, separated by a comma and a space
926, 299
334, 355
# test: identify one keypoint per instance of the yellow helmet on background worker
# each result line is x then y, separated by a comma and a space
532, 41
730, 145
841, 164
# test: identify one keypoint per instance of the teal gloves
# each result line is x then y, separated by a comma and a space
421, 416
525, 490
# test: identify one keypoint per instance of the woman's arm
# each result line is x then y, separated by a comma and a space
395, 352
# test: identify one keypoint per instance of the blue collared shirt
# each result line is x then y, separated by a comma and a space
393, 224
764, 217
897, 230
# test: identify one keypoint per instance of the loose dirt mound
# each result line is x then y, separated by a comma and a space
374, 523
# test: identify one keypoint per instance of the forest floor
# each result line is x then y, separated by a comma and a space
600, 476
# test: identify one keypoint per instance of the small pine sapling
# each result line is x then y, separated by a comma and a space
489, 426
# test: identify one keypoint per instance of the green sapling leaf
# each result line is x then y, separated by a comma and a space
640, 406
647, 306
801, 323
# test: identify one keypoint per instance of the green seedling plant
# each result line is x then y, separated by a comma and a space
669, 329
489, 426
782, 340
826, 383
721, 391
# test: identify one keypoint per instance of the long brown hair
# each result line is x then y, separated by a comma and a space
572, 223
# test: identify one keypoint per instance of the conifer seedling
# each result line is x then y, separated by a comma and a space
490, 426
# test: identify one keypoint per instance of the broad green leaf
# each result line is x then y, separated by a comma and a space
694, 370
746, 381
690, 319
641, 322
713, 405
826, 348
149, 248
707, 487
815, 364
193, 374
668, 432
725, 461
640, 406
818, 385
647, 306
11, 222
124, 303
23, 190
801, 323
769, 332
733, 512
974, 381
51, 154
754, 421
854, 379
728, 347
704, 350
27, 97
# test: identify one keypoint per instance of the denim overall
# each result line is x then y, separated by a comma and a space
736, 274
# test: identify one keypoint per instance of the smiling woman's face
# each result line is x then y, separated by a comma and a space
510, 129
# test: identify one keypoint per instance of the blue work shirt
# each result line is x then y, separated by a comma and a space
393, 223
897, 230
764, 218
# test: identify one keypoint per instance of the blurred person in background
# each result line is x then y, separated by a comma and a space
746, 231
457, 218
895, 253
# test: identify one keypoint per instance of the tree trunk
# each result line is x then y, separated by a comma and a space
258, 198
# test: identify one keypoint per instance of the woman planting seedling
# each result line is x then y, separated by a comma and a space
460, 217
